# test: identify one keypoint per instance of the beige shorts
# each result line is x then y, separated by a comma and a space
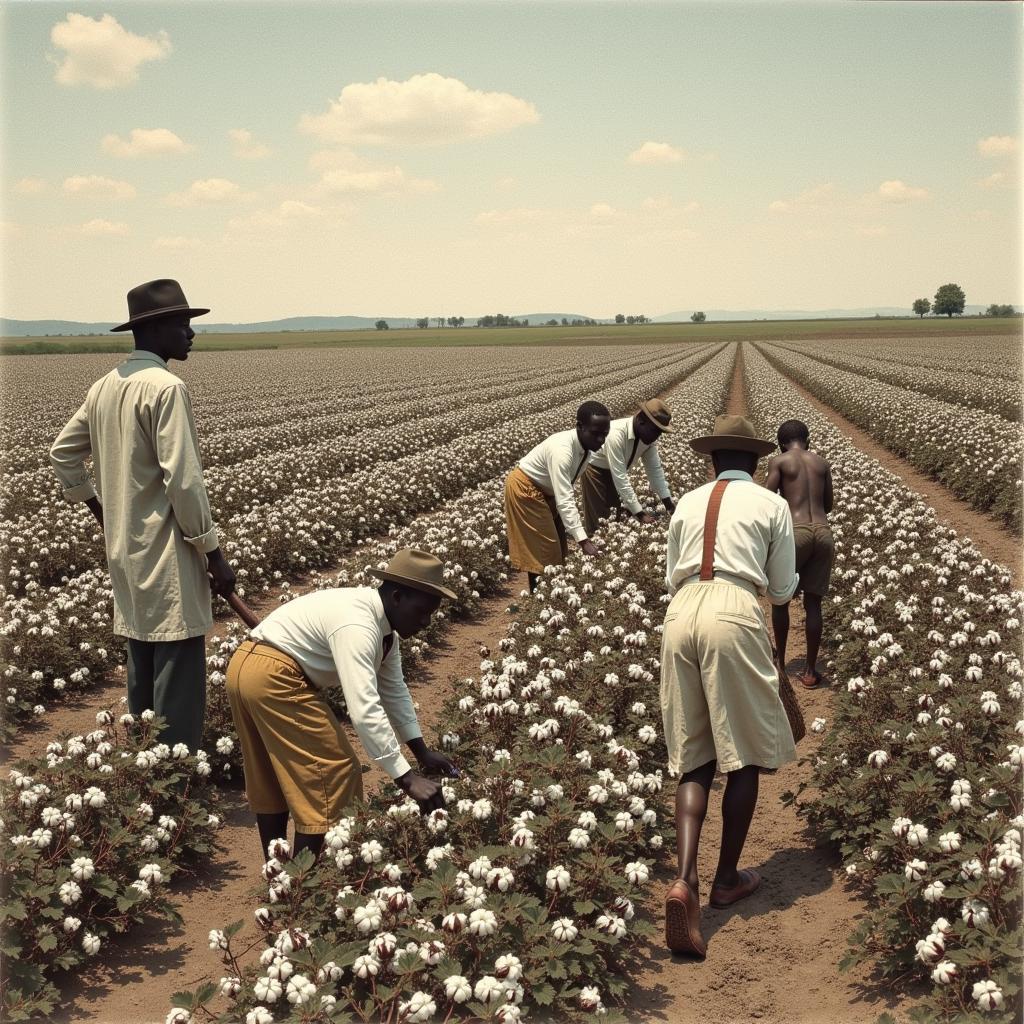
719, 686
295, 754
815, 551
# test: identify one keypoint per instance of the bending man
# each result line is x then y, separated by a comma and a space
297, 758
136, 423
804, 479
606, 483
540, 506
728, 542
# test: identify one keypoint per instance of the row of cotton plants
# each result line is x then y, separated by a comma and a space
52, 638
468, 533
988, 355
999, 395
518, 899
90, 835
976, 454
918, 780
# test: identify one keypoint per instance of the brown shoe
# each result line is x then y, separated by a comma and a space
682, 920
749, 882
810, 680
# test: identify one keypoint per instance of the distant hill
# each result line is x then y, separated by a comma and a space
800, 314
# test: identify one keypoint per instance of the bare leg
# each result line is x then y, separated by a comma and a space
737, 811
272, 826
691, 808
780, 626
812, 610
308, 841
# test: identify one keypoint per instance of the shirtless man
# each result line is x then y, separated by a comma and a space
804, 479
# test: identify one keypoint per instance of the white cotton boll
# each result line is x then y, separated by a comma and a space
988, 995
975, 913
915, 870
91, 943
564, 929
268, 989
933, 891
900, 827
488, 989
558, 878
917, 835
482, 923
944, 973
457, 988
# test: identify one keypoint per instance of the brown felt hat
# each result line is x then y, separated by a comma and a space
155, 299
658, 413
733, 434
417, 569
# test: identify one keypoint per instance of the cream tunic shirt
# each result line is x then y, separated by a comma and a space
619, 453
137, 424
754, 540
554, 466
337, 637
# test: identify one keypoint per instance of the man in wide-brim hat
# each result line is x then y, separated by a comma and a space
161, 544
298, 761
606, 484
729, 542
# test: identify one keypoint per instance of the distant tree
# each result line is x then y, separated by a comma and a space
630, 319
382, 325
921, 306
997, 310
620, 318
440, 321
641, 319
551, 323
424, 321
565, 321
462, 320
949, 299
699, 317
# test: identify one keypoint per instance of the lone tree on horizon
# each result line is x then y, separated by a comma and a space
921, 306
949, 299
382, 325
699, 317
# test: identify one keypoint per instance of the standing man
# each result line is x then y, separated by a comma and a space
540, 506
296, 756
161, 544
804, 479
606, 483
728, 542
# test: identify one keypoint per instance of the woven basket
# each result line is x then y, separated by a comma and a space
792, 706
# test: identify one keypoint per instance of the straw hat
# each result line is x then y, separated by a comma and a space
734, 434
417, 569
658, 413
155, 299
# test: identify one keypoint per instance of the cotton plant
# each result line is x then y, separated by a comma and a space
919, 776
90, 837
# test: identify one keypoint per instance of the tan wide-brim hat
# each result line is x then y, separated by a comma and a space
156, 299
732, 434
658, 413
417, 569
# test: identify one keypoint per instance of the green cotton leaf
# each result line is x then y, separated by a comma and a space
15, 910
47, 942
128, 899
446, 968
543, 994
233, 929
183, 1000
104, 886
584, 907
556, 968
481, 1010
206, 992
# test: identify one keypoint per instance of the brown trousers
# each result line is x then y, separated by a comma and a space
600, 496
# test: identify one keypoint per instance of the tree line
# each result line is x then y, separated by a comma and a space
950, 299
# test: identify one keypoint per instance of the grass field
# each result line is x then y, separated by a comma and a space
606, 334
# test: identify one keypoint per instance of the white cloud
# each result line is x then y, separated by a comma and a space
345, 171
516, 215
144, 142
176, 243
603, 211
290, 212
656, 153
95, 186
245, 146
103, 229
101, 53
998, 145
424, 109
814, 198
207, 190
30, 187
897, 191
998, 179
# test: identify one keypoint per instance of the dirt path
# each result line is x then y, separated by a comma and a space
990, 536
774, 957
135, 982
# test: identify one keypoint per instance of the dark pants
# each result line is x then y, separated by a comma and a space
170, 678
600, 497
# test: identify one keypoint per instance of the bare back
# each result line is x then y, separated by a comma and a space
804, 479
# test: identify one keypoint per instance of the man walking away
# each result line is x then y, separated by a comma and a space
540, 506
728, 542
606, 483
804, 479
136, 423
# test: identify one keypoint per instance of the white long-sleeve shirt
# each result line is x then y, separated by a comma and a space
621, 450
554, 466
137, 426
754, 540
337, 638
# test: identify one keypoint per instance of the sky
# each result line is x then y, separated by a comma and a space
438, 159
